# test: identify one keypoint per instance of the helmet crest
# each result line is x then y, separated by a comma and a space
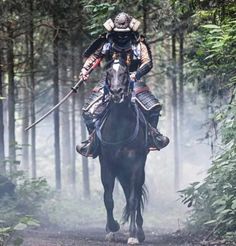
123, 22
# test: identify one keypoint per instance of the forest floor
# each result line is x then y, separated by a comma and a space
96, 237
93, 236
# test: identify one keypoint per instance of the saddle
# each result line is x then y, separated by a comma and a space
142, 94
96, 108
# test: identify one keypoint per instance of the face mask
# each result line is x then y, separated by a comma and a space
122, 37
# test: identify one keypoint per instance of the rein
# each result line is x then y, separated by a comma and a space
106, 88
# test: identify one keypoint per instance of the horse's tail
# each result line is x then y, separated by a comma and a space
144, 197
142, 201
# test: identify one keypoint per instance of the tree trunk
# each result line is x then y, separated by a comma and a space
181, 78
32, 82
168, 109
144, 2
175, 114
73, 132
56, 116
65, 115
25, 123
181, 98
85, 170
222, 12
2, 146
168, 90
11, 100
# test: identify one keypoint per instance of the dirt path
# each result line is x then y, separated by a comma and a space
96, 237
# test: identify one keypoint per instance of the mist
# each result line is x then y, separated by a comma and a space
71, 209
56, 192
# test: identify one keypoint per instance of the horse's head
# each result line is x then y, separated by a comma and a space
118, 81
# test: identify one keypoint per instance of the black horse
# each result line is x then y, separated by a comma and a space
123, 141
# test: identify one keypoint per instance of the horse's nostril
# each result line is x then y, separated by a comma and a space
117, 91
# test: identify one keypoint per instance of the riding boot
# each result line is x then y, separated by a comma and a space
89, 147
93, 109
158, 141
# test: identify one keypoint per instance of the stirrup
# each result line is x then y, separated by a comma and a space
157, 140
84, 150
152, 148
89, 147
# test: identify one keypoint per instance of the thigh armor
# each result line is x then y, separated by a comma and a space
144, 97
93, 107
149, 104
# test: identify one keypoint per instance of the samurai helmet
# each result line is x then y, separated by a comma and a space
122, 23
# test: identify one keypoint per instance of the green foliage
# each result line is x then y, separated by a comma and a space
23, 223
31, 194
98, 15
19, 211
99, 12
212, 58
211, 63
214, 200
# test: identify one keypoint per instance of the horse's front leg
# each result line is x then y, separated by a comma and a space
133, 204
108, 181
135, 201
139, 221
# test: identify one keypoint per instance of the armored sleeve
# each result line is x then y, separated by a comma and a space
92, 59
146, 60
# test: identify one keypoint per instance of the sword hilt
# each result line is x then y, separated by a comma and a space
76, 86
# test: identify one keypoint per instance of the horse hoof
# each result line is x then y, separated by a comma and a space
113, 227
110, 237
140, 236
132, 241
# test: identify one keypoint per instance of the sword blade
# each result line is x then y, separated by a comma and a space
73, 90
56, 106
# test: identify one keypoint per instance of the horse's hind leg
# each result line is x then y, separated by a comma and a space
135, 201
139, 221
108, 181
141, 198
130, 205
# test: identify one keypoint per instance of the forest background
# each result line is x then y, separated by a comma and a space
194, 76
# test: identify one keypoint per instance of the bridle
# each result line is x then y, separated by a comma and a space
138, 116
107, 87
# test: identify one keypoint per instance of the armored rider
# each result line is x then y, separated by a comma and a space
121, 40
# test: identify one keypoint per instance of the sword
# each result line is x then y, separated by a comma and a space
73, 90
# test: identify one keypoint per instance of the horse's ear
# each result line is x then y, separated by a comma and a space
122, 61
109, 64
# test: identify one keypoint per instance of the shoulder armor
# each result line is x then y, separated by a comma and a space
95, 45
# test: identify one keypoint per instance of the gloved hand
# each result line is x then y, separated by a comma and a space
133, 77
83, 74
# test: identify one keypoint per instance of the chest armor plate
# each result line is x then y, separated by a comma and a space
131, 54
